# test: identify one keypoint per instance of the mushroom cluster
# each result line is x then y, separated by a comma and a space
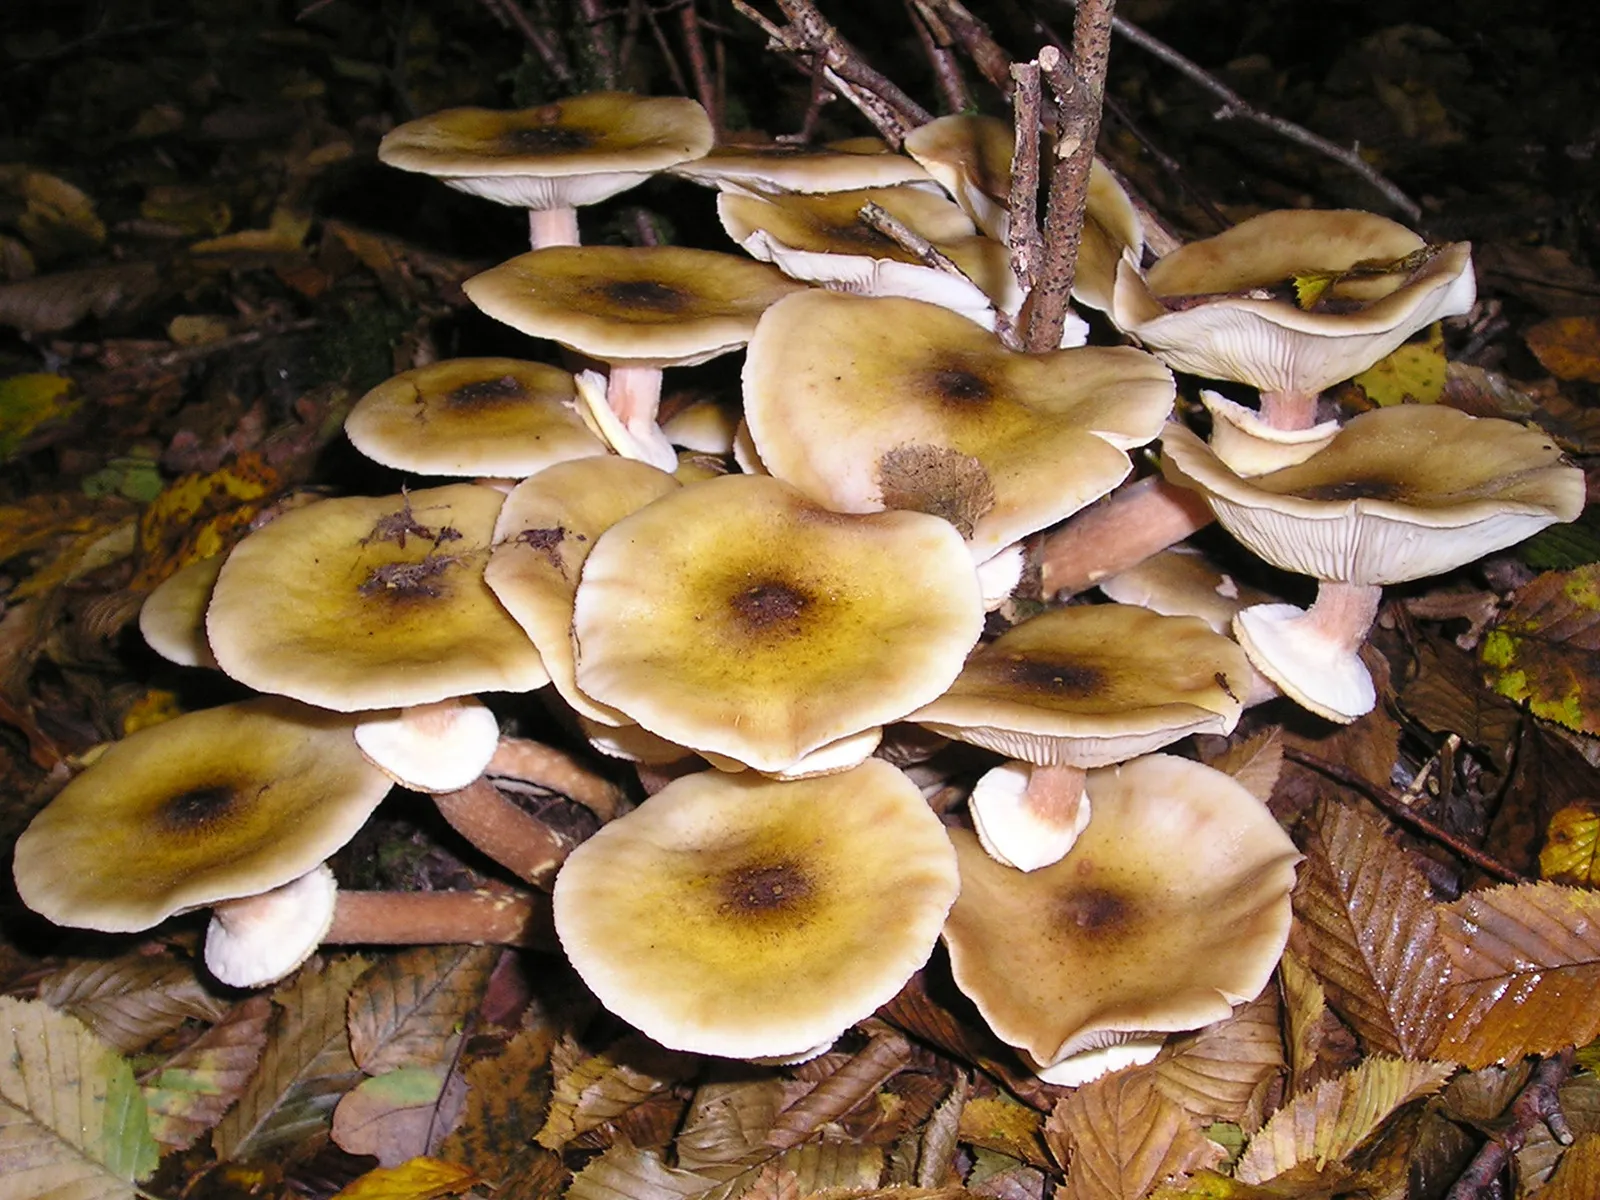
752, 628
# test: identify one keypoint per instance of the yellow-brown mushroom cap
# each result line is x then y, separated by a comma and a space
500, 417
738, 617
209, 806
371, 602
1093, 685
1398, 494
574, 151
648, 306
792, 167
1172, 907
746, 917
872, 403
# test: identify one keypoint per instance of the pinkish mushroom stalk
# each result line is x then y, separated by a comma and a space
634, 394
552, 227
1036, 825
521, 843
534, 762
1289, 409
1320, 646
1120, 532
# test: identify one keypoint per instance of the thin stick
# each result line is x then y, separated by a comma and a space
946, 67
1405, 815
510, 14
1235, 106
1027, 247
991, 59
1078, 90
679, 80
705, 88
912, 242
595, 18
1539, 1101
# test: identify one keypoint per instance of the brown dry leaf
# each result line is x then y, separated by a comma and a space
1448, 696
409, 1009
1371, 932
1549, 774
305, 1069
1546, 648
999, 1123
1567, 347
936, 1158
506, 1097
1540, 1152
1327, 1123
1367, 746
418, 1179
821, 1167
1575, 427
1525, 967
602, 1087
132, 1000
857, 1081
1254, 763
58, 301
1578, 1176
1119, 1137
1570, 845
1217, 1072
727, 1122
1304, 1004
399, 1114
189, 1093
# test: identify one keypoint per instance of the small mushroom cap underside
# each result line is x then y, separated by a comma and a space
645, 306
209, 806
1172, 907
544, 533
1320, 673
576, 151
1250, 445
173, 616
831, 223
739, 618
260, 939
372, 602
472, 416
761, 918
1400, 493
867, 404
1207, 308
438, 747
1091, 685
787, 167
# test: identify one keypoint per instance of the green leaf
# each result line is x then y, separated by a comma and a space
29, 401
1546, 649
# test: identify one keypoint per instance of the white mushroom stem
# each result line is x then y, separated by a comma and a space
634, 394
1314, 654
1118, 533
1028, 817
623, 414
505, 918
552, 227
1289, 409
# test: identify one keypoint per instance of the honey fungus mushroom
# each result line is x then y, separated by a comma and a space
737, 617
760, 919
554, 158
1171, 908
1398, 494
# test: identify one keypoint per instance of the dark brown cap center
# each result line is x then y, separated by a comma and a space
768, 605
1095, 913
198, 807
486, 393
1060, 677
761, 890
645, 294
1354, 489
547, 139
959, 386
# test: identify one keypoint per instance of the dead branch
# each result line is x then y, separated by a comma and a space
510, 14
935, 39
694, 45
973, 36
1538, 1102
1027, 247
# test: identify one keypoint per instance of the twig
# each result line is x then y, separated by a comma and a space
510, 14
1027, 247
699, 67
1539, 1101
1405, 815
595, 18
1235, 106
946, 68
1078, 89
679, 81
991, 59
912, 242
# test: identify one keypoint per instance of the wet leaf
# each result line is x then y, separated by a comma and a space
419, 1179
408, 1010
72, 1121
852, 1084
305, 1069
1525, 967
189, 1093
1371, 932
1328, 1122
727, 1122
1305, 1004
603, 1087
1448, 696
1546, 649
1217, 1072
399, 1114
1121, 1137
939, 1137
1540, 1152
1570, 844
1568, 347
130, 1001
1001, 1124
1578, 1176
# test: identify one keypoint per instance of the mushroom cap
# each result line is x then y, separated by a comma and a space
260, 939
545, 532
739, 618
352, 604
865, 404
472, 416
438, 747
1182, 582
655, 306
790, 167
1399, 493
760, 918
580, 150
1229, 324
208, 806
1091, 685
173, 616
1172, 907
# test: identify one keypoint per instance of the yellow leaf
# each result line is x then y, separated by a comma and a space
1571, 840
417, 1179
1414, 374
199, 516
195, 211
29, 401
152, 708
999, 1123
198, 330
60, 219
285, 233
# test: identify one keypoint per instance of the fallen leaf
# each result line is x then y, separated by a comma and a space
1254, 763
1411, 374
1578, 1176
1567, 347
1548, 774
189, 1093
59, 219
408, 1010
1540, 1152
505, 1105
56, 302
605, 1085
72, 1121
940, 1135
1217, 1072
1525, 966
29, 401
418, 1179
1120, 1137
130, 1001
1371, 932
1570, 844
1305, 1002
1546, 648
1448, 696
999, 1123
399, 1114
